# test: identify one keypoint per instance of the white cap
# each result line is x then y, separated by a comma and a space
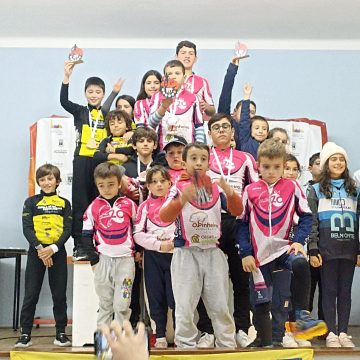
328, 150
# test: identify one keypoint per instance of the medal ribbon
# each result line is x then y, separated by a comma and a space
227, 179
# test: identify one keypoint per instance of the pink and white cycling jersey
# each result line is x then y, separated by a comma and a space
237, 167
111, 226
149, 230
141, 112
182, 118
175, 175
269, 212
200, 87
198, 224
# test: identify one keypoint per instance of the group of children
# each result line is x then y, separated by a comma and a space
149, 193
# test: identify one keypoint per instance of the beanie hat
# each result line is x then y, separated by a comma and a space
328, 150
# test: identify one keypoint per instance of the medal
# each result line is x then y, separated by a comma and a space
91, 144
76, 54
241, 50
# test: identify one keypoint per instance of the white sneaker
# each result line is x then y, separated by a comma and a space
304, 343
161, 343
345, 340
289, 341
206, 341
242, 339
333, 341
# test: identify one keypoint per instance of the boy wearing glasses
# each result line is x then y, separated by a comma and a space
238, 169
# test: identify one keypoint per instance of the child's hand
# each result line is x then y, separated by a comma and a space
68, 69
48, 262
167, 245
166, 103
316, 261
110, 149
188, 194
248, 263
138, 256
358, 261
203, 105
296, 248
45, 253
247, 91
127, 136
118, 85
229, 191
235, 60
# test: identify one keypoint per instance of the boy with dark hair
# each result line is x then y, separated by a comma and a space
108, 222
46, 220
263, 235
179, 115
90, 129
238, 169
144, 142
199, 268
199, 86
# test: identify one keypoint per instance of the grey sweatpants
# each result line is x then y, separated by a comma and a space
201, 273
113, 278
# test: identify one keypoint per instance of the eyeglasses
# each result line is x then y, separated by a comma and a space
217, 127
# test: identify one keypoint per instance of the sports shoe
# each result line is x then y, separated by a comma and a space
307, 327
206, 341
277, 344
333, 341
80, 255
289, 341
161, 343
255, 344
345, 340
62, 340
24, 341
303, 343
242, 339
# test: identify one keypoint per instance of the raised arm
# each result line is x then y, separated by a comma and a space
110, 99
226, 91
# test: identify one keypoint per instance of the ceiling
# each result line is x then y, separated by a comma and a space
134, 22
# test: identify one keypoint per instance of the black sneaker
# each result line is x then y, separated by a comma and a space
24, 341
80, 255
62, 340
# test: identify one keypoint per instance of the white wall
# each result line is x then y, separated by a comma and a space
287, 83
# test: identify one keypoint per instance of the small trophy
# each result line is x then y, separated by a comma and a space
169, 87
241, 50
76, 55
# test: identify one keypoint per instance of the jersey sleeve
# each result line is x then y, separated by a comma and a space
141, 236
226, 91
73, 108
172, 206
243, 230
28, 223
304, 213
67, 225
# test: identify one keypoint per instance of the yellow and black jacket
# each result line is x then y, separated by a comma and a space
82, 115
46, 220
